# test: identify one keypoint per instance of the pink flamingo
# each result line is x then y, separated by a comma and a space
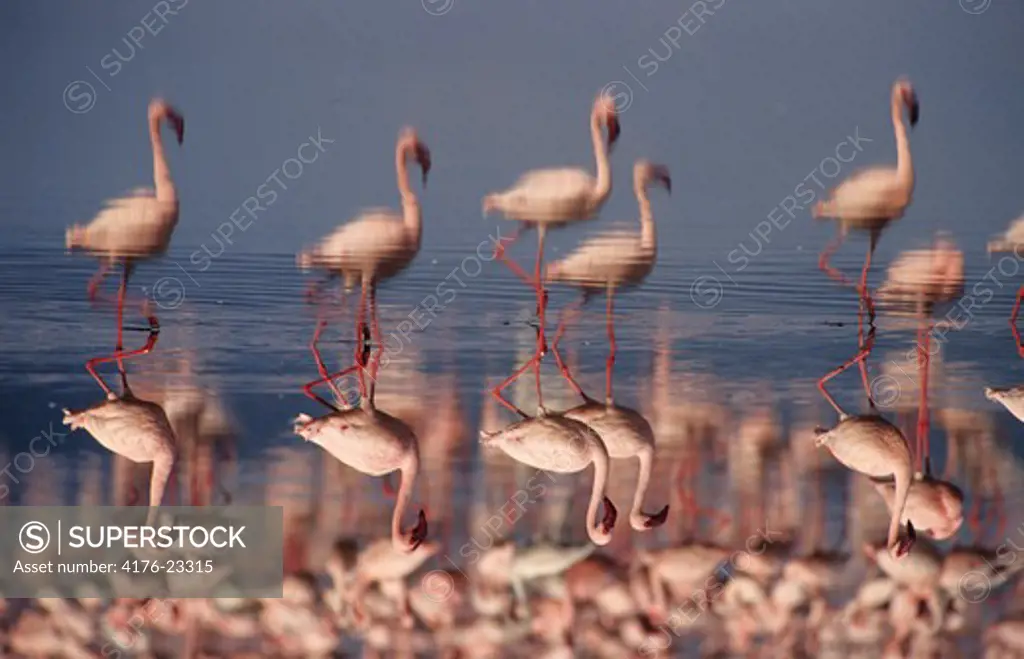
872, 198
139, 225
550, 198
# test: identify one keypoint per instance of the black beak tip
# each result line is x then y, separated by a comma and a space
657, 519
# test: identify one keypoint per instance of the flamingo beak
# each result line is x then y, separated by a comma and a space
659, 174
423, 158
614, 129
610, 515
177, 123
656, 520
419, 533
913, 107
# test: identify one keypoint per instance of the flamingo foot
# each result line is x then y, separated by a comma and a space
657, 519
419, 532
611, 514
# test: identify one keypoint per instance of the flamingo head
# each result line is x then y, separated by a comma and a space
657, 519
606, 113
610, 515
306, 426
161, 109
645, 172
409, 142
902, 546
418, 535
909, 98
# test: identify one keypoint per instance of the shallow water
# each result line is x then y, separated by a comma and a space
239, 333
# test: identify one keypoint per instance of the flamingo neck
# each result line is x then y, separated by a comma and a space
163, 465
903, 478
595, 531
648, 234
410, 203
604, 170
636, 517
409, 470
161, 172
904, 162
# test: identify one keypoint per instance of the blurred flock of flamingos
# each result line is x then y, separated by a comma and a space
717, 520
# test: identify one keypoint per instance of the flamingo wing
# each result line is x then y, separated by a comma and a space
868, 193
376, 234
137, 224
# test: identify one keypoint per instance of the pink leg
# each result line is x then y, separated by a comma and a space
826, 254
360, 325
308, 388
567, 313
1016, 306
860, 356
542, 301
97, 279
610, 363
154, 331
863, 343
922, 412
862, 289
375, 323
120, 315
1016, 336
499, 251
496, 392
321, 368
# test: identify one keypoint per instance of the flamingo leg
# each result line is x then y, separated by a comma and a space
360, 330
861, 343
568, 313
375, 323
826, 254
499, 252
97, 279
542, 296
118, 356
121, 291
924, 347
610, 362
862, 288
860, 356
308, 387
321, 368
1016, 334
1016, 306
496, 392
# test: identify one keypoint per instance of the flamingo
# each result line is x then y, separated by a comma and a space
554, 442
1012, 398
870, 445
614, 259
137, 226
933, 506
545, 198
374, 443
872, 198
1011, 241
131, 427
377, 245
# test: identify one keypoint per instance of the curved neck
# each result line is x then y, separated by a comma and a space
604, 170
648, 235
904, 163
162, 467
409, 470
903, 479
596, 533
161, 172
636, 515
410, 203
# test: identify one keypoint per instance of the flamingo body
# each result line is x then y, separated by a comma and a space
562, 445
136, 429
